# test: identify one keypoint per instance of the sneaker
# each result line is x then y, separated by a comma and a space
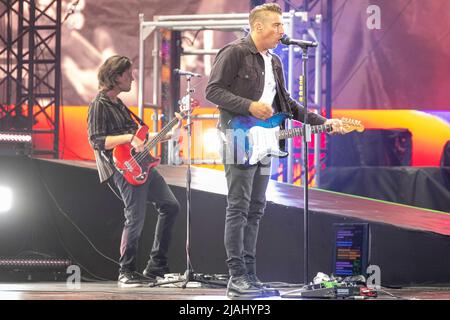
241, 288
268, 291
133, 280
155, 272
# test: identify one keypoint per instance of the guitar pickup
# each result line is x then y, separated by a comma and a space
128, 166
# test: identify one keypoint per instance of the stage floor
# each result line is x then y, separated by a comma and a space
110, 291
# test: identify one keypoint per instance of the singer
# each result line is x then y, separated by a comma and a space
247, 79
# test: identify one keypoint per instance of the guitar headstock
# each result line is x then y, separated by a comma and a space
352, 125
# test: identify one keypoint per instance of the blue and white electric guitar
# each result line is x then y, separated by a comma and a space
254, 139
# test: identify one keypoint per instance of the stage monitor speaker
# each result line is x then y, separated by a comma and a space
351, 249
373, 147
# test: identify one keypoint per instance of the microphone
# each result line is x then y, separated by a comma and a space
301, 43
186, 73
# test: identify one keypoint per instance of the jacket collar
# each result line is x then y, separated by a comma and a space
251, 45
102, 96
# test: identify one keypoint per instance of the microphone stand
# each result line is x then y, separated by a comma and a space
306, 139
189, 273
189, 270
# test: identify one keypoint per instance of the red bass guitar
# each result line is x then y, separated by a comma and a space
135, 166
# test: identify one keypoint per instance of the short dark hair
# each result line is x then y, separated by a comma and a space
258, 12
110, 69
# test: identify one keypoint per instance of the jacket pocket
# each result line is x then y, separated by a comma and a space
246, 83
247, 74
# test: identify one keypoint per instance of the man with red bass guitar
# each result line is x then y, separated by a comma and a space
121, 147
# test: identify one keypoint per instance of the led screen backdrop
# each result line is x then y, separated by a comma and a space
401, 63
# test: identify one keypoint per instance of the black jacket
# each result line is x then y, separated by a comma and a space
237, 79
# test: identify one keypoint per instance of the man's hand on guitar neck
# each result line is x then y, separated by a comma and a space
173, 131
337, 125
138, 144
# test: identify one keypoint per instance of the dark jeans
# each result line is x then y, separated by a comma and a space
246, 203
135, 199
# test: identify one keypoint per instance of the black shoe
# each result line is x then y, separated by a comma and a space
268, 291
133, 279
155, 272
241, 288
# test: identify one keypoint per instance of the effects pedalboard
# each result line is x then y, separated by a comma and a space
335, 290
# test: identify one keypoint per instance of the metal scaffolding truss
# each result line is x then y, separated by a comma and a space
293, 20
30, 68
218, 22
324, 8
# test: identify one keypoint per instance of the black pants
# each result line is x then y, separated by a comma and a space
135, 200
246, 203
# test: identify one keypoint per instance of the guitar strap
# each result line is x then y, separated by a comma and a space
133, 115
108, 155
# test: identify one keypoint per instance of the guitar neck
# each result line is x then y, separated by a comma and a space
164, 131
295, 132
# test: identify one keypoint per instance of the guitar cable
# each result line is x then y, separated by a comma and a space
114, 191
76, 227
